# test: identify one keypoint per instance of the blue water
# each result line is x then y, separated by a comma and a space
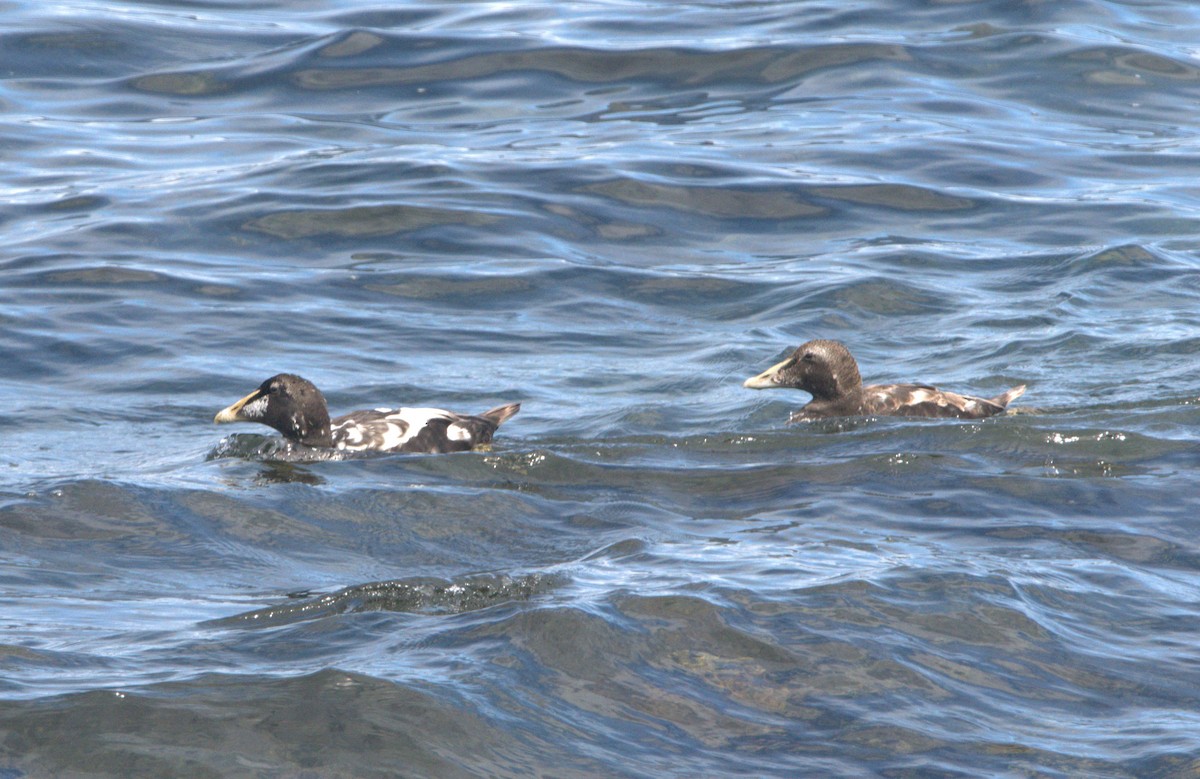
614, 213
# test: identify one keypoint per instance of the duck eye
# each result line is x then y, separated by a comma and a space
808, 357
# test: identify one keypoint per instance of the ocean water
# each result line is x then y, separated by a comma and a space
612, 212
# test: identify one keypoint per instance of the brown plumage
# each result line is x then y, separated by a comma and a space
827, 371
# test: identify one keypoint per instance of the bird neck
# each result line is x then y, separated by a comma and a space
320, 437
310, 427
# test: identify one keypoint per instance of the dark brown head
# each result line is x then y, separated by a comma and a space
288, 403
825, 369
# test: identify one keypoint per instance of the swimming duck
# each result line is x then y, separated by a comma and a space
295, 407
827, 371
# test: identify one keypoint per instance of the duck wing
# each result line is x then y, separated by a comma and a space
431, 430
922, 400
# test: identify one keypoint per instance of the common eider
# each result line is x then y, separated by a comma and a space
295, 407
827, 371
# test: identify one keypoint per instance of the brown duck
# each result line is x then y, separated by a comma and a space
827, 371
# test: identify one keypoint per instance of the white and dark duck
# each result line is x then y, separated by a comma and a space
295, 407
827, 371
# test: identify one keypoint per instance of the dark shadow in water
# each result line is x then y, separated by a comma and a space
362, 221
422, 595
666, 66
286, 473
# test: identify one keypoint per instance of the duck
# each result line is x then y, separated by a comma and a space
827, 371
296, 408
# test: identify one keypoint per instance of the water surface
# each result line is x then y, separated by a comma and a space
613, 213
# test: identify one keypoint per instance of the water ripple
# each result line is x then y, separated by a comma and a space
613, 213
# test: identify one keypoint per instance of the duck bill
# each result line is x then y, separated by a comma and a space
768, 379
234, 413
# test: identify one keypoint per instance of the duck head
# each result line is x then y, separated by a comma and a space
824, 369
290, 404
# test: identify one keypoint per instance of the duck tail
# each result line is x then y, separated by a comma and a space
1004, 399
499, 414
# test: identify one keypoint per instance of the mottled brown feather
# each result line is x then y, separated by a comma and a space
826, 370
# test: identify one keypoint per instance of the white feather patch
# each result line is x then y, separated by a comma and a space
395, 435
393, 431
418, 418
255, 409
922, 395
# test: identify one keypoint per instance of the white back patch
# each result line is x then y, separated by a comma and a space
396, 435
417, 419
922, 395
388, 433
